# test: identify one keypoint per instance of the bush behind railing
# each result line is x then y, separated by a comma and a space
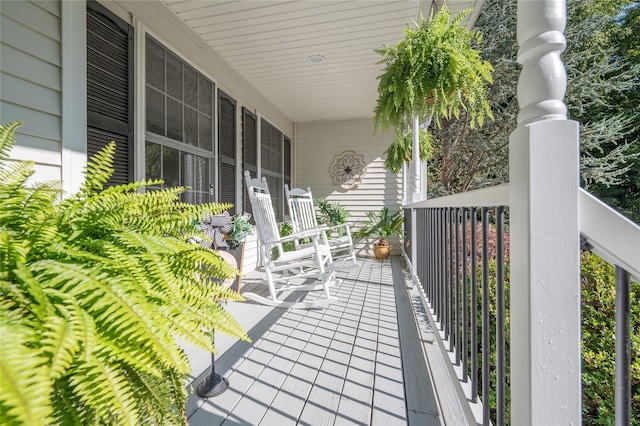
598, 340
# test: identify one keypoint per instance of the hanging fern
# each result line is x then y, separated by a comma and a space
401, 150
94, 291
433, 71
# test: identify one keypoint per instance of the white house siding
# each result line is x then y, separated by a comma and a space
30, 81
316, 145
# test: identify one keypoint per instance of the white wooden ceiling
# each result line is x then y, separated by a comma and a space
270, 42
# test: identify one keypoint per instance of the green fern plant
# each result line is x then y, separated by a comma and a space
94, 290
401, 150
435, 70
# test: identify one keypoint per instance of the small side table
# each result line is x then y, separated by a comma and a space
214, 384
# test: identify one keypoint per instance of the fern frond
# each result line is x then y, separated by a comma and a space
98, 170
157, 391
105, 389
59, 345
115, 309
25, 385
8, 139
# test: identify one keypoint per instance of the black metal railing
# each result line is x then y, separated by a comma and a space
460, 257
460, 261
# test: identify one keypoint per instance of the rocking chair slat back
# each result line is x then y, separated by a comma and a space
303, 217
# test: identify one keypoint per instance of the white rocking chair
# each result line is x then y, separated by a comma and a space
285, 270
303, 218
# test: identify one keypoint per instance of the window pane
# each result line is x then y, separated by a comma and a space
155, 64
205, 95
152, 159
174, 119
276, 189
205, 133
155, 111
195, 174
174, 76
190, 126
170, 166
190, 87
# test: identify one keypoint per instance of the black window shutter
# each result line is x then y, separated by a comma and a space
227, 149
110, 88
249, 152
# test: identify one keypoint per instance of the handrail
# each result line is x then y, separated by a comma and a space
485, 197
609, 234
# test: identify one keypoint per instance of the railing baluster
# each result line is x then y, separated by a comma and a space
500, 311
474, 307
485, 317
443, 270
450, 284
623, 348
441, 260
457, 322
465, 307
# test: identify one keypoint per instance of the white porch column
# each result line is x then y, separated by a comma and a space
415, 162
545, 264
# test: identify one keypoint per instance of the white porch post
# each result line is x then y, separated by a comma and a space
545, 264
415, 162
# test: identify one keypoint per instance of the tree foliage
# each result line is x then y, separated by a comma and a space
94, 290
601, 79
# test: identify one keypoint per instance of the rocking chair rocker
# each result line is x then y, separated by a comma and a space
285, 270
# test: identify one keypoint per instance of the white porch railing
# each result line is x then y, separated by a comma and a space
454, 275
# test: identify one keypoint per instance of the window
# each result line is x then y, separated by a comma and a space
180, 122
109, 88
271, 162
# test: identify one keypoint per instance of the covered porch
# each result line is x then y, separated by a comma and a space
369, 359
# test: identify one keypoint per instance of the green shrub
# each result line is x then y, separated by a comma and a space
598, 343
598, 339
94, 290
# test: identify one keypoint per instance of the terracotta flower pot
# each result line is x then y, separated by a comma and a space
381, 252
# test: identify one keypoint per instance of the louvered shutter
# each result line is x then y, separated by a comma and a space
249, 152
227, 149
110, 88
287, 161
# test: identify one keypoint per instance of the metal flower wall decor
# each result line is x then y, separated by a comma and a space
347, 169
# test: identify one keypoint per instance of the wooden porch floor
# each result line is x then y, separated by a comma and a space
357, 362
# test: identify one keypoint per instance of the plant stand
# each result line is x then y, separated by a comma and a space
214, 384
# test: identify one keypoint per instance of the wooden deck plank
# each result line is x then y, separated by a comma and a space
420, 394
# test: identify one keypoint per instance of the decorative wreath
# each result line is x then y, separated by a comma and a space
347, 169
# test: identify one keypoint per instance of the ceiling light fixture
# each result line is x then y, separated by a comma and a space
316, 59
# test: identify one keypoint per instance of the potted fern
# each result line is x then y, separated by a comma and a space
382, 225
96, 287
434, 72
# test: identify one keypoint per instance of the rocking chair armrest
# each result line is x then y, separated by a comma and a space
334, 227
307, 233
